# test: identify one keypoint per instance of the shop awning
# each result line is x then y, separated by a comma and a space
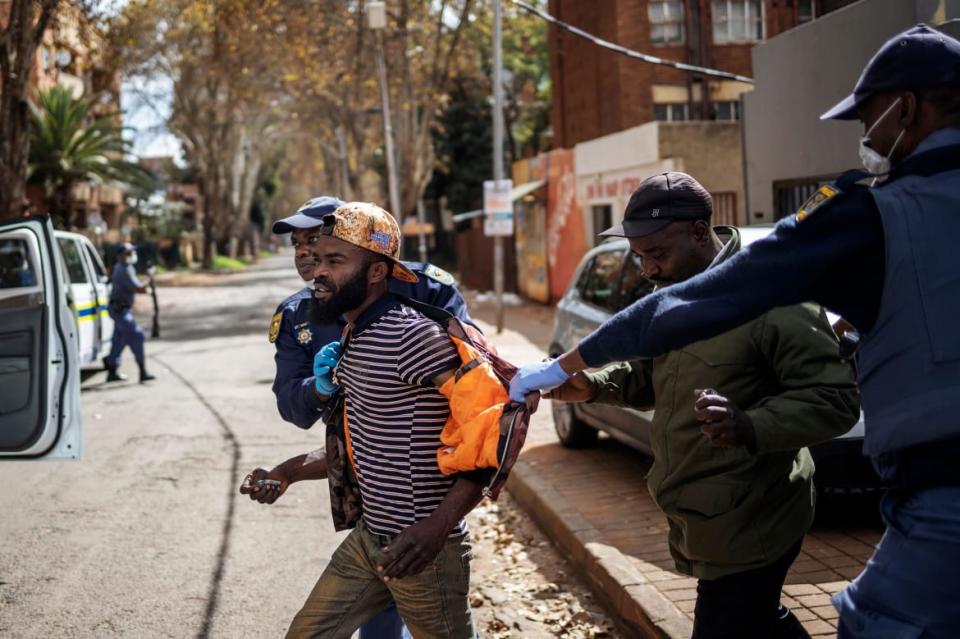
521, 190
516, 193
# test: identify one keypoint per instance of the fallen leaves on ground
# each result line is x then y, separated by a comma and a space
521, 586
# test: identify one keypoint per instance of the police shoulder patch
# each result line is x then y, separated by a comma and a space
275, 326
815, 201
439, 275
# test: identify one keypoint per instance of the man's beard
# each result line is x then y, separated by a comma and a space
343, 298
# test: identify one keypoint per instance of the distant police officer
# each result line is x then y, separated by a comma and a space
126, 331
298, 341
885, 258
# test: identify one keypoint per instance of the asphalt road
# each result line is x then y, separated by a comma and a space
147, 536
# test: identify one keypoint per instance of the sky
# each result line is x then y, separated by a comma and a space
146, 107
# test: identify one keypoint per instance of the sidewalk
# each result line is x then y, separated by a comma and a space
595, 507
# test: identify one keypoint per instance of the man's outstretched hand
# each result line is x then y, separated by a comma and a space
579, 388
532, 378
413, 549
268, 492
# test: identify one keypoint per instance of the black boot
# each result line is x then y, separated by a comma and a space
112, 374
144, 375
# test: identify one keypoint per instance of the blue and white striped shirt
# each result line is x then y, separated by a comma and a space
395, 415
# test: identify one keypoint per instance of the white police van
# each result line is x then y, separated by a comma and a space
88, 293
40, 348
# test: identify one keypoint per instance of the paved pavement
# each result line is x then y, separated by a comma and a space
147, 535
595, 506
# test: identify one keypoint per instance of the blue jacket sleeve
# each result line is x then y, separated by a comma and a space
447, 296
293, 385
437, 291
833, 257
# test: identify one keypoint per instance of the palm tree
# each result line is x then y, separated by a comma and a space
69, 145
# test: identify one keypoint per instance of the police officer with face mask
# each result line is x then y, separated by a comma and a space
884, 257
126, 331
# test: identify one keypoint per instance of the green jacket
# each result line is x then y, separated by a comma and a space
730, 510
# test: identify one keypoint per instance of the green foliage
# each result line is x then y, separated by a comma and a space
69, 145
464, 142
224, 263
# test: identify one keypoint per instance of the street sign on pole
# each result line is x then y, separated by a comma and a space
498, 208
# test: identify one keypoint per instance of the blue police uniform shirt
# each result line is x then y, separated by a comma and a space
835, 257
297, 339
124, 284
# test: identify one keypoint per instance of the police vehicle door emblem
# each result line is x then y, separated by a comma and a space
304, 336
815, 201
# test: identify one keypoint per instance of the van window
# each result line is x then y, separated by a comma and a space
633, 285
600, 280
98, 268
17, 270
74, 261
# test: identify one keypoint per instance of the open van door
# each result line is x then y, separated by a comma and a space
39, 368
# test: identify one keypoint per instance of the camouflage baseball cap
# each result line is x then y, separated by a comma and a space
370, 227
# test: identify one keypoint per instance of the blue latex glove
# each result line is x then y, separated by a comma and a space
323, 365
534, 377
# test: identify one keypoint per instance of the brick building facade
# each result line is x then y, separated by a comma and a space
596, 92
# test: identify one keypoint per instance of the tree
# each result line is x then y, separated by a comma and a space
68, 145
26, 22
463, 139
228, 62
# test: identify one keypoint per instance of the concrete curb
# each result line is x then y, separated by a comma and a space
641, 610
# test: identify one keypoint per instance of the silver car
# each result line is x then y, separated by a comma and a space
609, 279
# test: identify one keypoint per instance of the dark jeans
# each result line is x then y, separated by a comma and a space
746, 605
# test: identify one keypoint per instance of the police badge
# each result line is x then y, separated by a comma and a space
304, 336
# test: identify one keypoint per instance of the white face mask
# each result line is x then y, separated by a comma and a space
871, 158
132, 259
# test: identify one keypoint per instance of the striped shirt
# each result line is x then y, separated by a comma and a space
395, 414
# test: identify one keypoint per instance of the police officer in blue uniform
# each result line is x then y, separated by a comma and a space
884, 257
126, 331
298, 341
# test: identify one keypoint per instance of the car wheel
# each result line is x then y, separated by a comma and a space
572, 432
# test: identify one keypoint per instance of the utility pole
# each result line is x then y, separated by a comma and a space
345, 191
421, 235
498, 151
377, 21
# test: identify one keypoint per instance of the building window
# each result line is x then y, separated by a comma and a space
666, 21
805, 11
737, 21
724, 208
602, 220
678, 112
789, 196
729, 110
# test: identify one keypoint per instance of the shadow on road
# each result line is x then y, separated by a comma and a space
202, 324
213, 590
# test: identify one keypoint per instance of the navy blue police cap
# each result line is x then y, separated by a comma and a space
919, 59
127, 247
309, 215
